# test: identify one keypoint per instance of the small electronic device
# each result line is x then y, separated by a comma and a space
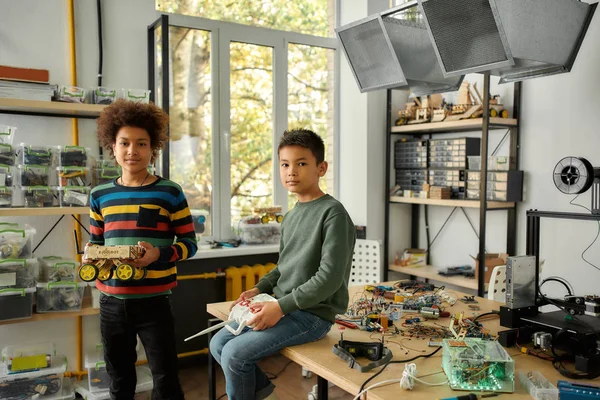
520, 281
375, 352
475, 364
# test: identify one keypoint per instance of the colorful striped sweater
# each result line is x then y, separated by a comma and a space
157, 213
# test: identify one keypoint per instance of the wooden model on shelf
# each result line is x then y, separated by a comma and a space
408, 114
496, 108
109, 259
268, 214
469, 103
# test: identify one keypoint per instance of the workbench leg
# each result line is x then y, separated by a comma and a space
212, 365
322, 388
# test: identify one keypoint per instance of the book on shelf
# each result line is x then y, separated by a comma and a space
11, 73
27, 90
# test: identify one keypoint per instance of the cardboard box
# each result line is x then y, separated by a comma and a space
491, 260
414, 258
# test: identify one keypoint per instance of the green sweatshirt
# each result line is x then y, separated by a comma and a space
315, 257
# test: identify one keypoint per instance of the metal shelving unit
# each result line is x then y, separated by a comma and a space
484, 124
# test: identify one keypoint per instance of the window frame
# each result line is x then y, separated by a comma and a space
222, 33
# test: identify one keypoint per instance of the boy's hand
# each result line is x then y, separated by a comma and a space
151, 254
248, 294
267, 314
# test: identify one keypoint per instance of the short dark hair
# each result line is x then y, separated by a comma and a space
304, 138
139, 115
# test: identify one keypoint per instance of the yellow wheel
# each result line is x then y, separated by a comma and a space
400, 121
279, 218
104, 274
88, 272
124, 272
264, 219
139, 273
504, 113
493, 112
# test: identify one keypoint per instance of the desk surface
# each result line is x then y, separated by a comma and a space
318, 358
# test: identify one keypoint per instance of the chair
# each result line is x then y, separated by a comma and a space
497, 285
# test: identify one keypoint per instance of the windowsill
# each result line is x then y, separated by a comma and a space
242, 250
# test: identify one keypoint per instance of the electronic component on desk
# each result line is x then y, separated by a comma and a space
432, 343
592, 305
520, 282
542, 340
577, 391
468, 299
375, 352
476, 364
430, 312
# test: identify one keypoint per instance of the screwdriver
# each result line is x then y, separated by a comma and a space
471, 396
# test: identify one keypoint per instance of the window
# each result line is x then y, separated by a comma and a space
311, 17
233, 90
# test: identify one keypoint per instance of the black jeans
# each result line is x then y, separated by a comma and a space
152, 320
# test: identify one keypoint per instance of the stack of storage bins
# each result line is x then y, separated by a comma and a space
7, 165
57, 288
18, 269
73, 176
34, 372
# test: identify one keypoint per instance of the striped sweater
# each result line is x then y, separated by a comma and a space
157, 213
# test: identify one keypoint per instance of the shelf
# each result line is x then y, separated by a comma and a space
50, 108
470, 124
86, 309
16, 212
431, 272
494, 205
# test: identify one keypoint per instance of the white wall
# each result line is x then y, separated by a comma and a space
34, 34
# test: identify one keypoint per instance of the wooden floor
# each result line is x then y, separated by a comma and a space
290, 385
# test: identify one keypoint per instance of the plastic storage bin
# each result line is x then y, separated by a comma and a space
30, 357
137, 95
98, 379
35, 155
6, 196
74, 196
37, 196
16, 303
252, 231
103, 95
474, 162
7, 154
27, 385
143, 389
59, 296
17, 273
7, 134
538, 386
16, 242
65, 393
7, 175
105, 174
73, 176
33, 175
71, 94
58, 269
73, 156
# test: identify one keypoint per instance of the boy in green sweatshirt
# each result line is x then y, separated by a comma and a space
310, 281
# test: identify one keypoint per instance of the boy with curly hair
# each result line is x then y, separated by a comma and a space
152, 212
310, 281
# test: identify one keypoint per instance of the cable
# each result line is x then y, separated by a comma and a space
597, 234
396, 362
484, 314
221, 396
273, 376
100, 52
559, 281
409, 376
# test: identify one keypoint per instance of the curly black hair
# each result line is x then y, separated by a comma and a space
304, 138
122, 113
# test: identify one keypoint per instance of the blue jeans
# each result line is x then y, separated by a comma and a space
238, 355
